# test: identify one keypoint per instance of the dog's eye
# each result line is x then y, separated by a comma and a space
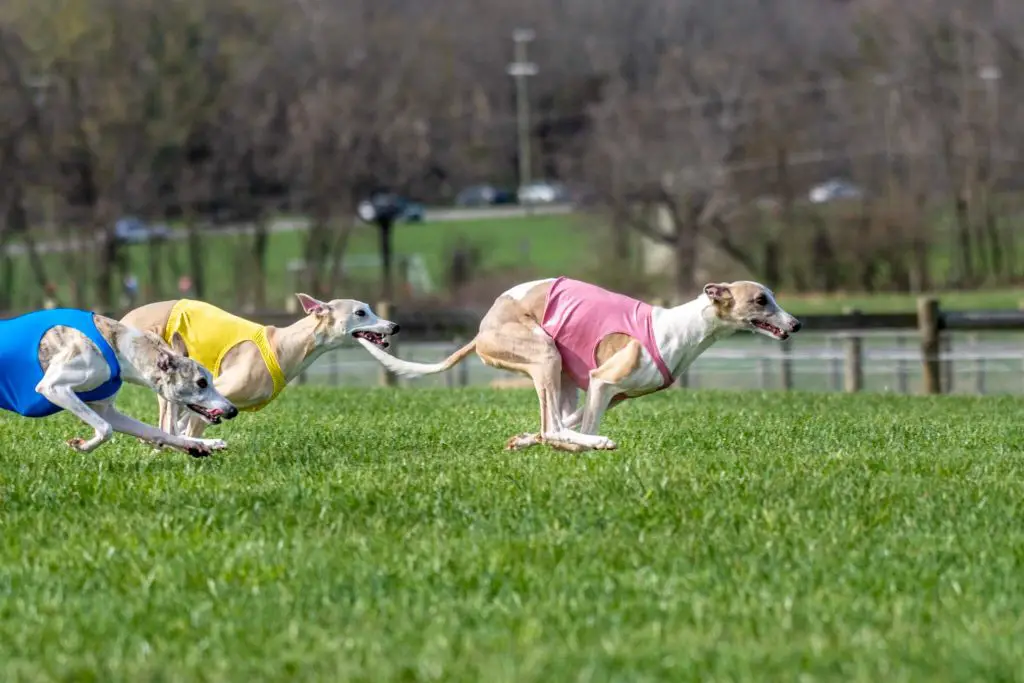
202, 383
761, 300
360, 314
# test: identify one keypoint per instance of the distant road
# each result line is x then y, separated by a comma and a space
432, 215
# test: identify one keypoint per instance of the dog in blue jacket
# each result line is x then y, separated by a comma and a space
67, 359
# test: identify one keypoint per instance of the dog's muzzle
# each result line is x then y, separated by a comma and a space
375, 338
213, 415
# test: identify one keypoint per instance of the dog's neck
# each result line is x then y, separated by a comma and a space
686, 331
134, 353
297, 345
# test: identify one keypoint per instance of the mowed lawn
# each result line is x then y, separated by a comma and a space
385, 535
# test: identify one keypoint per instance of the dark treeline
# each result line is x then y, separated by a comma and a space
698, 125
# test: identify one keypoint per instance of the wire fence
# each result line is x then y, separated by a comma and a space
890, 361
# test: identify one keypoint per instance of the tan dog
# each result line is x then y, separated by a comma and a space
565, 335
252, 363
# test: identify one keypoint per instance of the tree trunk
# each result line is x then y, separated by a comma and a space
338, 254
992, 237
260, 244
685, 260
6, 271
964, 255
622, 251
385, 229
155, 270
823, 258
105, 276
784, 188
17, 222
195, 258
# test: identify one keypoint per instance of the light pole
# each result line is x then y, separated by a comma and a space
521, 69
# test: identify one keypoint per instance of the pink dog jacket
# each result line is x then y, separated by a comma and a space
579, 315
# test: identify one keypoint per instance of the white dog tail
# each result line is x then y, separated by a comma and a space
408, 369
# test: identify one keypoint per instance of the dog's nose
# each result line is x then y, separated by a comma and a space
797, 325
395, 328
231, 413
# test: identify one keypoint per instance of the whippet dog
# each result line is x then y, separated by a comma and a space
568, 335
253, 363
66, 359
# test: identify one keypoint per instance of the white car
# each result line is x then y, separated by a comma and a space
542, 192
834, 189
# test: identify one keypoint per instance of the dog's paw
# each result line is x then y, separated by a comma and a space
521, 441
201, 448
605, 444
77, 444
568, 446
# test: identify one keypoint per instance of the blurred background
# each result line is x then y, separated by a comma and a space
849, 154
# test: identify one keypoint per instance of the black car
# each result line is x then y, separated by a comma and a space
484, 195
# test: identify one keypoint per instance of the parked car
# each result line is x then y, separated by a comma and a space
412, 212
834, 189
133, 230
543, 192
484, 195
406, 211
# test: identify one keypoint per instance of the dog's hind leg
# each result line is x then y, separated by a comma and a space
568, 399
197, 448
513, 346
520, 349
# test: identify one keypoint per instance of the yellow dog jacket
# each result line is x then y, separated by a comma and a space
209, 333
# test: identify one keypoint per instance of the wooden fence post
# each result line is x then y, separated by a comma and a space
765, 368
946, 354
386, 311
979, 364
786, 366
928, 327
853, 362
833, 363
901, 365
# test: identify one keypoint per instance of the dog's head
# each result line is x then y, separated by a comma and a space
341, 321
181, 380
750, 306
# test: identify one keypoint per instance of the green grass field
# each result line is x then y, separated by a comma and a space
385, 536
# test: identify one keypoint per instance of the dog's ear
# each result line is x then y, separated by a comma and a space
164, 361
718, 292
178, 345
311, 305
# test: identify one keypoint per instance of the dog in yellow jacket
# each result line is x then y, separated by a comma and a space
252, 363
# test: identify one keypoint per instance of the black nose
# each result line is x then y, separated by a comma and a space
395, 328
231, 413
797, 325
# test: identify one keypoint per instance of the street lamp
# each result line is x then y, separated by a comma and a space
521, 69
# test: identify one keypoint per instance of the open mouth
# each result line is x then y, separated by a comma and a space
774, 331
372, 337
210, 416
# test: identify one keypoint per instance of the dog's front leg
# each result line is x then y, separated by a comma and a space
64, 396
122, 423
599, 397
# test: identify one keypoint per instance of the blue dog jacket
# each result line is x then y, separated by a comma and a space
20, 370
